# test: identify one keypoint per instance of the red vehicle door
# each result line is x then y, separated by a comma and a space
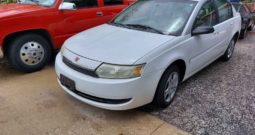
87, 15
111, 8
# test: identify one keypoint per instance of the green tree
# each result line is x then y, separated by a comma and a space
7, 1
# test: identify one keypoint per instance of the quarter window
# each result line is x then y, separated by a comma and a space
224, 10
83, 3
206, 16
113, 2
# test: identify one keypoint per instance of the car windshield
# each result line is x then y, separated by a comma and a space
47, 3
160, 16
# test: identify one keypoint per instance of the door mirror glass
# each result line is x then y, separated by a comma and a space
67, 6
203, 30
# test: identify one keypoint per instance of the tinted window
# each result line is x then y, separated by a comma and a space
83, 3
206, 15
224, 9
113, 2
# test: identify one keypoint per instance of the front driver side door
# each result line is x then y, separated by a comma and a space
82, 18
112, 8
203, 45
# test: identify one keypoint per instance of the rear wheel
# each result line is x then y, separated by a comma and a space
29, 53
167, 87
251, 27
230, 50
243, 33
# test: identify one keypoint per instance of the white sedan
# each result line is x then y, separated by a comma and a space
146, 52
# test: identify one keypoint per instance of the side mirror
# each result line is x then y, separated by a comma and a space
67, 6
202, 30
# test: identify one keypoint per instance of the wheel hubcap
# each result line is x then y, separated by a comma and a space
31, 53
231, 48
171, 86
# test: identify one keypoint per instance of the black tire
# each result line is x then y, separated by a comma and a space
251, 27
229, 52
159, 98
243, 33
14, 53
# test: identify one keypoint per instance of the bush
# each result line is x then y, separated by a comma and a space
7, 1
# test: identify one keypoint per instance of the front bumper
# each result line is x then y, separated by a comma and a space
1, 52
139, 91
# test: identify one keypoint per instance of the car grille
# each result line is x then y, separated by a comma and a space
78, 68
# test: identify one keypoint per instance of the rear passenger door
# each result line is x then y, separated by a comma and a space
203, 46
112, 7
225, 23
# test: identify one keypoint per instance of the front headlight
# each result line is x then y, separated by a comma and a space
119, 72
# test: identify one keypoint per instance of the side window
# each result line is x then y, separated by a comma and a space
83, 3
112, 2
206, 16
224, 10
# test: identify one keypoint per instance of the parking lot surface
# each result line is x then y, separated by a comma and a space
34, 104
219, 100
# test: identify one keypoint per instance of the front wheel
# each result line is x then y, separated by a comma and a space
29, 53
167, 87
230, 50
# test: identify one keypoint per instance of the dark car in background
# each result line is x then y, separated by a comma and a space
248, 18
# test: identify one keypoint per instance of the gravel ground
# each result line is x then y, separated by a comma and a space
220, 99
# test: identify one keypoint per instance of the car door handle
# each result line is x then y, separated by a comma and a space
100, 14
231, 23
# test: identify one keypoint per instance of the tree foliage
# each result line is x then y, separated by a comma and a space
7, 1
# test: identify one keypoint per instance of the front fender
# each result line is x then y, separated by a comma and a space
165, 55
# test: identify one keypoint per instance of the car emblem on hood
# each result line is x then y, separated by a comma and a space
76, 59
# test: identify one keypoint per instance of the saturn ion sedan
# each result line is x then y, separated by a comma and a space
142, 55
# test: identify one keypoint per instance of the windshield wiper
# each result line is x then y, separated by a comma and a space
145, 27
118, 24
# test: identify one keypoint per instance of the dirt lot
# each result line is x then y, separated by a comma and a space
220, 99
34, 104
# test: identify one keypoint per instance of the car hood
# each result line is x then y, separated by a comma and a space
116, 45
7, 10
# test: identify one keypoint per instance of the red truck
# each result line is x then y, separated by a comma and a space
31, 30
